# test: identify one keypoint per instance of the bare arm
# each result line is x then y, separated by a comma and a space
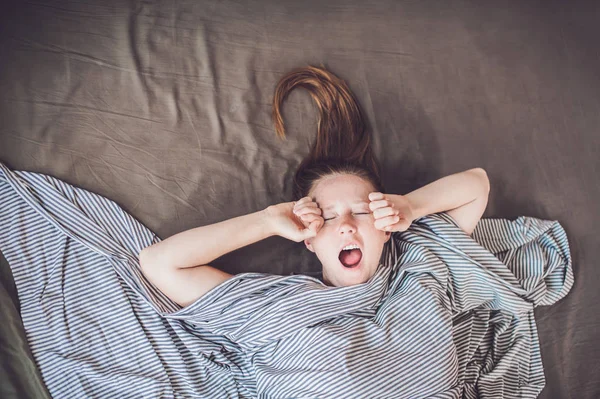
178, 265
463, 195
202, 245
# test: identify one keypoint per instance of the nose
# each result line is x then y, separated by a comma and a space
347, 225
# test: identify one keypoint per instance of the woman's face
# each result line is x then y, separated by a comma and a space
344, 201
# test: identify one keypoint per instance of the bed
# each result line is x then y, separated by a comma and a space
165, 108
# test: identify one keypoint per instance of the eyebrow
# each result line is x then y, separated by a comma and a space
354, 203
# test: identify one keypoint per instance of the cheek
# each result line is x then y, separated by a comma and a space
368, 226
368, 223
321, 240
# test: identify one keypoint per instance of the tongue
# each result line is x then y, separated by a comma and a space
351, 257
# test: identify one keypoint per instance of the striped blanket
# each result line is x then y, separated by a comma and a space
446, 315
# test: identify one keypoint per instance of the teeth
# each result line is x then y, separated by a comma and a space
351, 247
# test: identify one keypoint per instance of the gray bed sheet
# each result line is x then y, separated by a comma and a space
165, 108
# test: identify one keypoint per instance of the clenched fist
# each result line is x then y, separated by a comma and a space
297, 220
392, 212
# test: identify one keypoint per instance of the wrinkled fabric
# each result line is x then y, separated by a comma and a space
446, 315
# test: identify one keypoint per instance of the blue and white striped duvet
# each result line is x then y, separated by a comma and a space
445, 316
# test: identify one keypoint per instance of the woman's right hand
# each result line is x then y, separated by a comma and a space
296, 220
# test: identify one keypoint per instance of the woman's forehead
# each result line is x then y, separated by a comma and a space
331, 197
332, 204
342, 186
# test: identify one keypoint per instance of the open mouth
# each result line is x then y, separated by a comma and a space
350, 258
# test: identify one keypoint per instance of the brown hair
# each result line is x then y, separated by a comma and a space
342, 146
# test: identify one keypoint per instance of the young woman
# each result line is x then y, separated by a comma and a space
342, 212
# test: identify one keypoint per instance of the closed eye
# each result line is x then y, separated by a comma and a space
367, 213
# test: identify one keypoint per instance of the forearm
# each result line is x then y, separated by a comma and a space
449, 192
202, 245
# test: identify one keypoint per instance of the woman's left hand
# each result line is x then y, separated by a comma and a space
392, 212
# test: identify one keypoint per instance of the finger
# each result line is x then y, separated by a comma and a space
373, 205
303, 200
402, 225
306, 210
383, 212
309, 217
382, 223
316, 225
311, 230
308, 205
375, 196
305, 204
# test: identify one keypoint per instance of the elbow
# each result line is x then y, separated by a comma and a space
142, 256
484, 178
152, 263
148, 266
145, 259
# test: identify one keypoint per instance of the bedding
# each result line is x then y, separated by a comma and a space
446, 315
165, 108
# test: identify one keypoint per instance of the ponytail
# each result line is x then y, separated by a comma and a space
342, 145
